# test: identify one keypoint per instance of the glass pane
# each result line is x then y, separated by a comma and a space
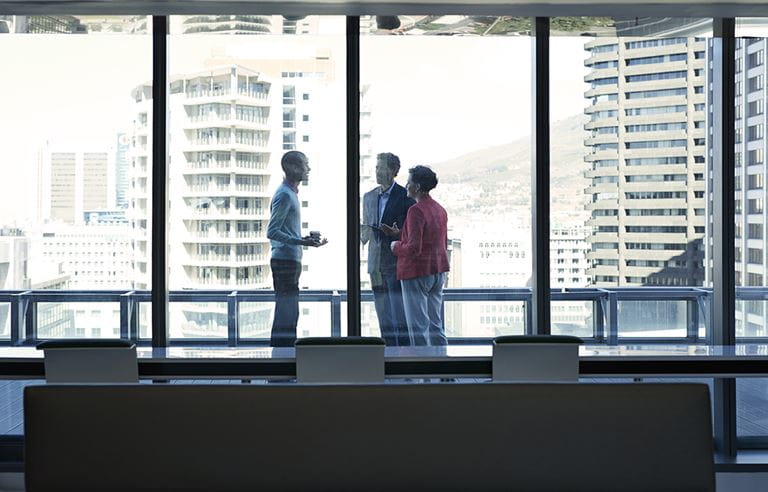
629, 170
573, 318
238, 104
635, 27
653, 319
197, 320
459, 107
5, 320
750, 192
73, 202
751, 402
145, 320
445, 25
78, 320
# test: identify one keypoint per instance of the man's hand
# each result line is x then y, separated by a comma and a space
392, 231
310, 241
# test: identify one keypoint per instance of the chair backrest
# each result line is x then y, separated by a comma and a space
536, 359
447, 437
340, 360
90, 361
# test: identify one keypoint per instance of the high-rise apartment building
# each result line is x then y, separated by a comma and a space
230, 126
751, 264
647, 147
73, 177
122, 164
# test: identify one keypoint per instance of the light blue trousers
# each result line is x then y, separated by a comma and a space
423, 302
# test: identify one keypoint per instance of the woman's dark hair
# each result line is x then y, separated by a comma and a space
424, 177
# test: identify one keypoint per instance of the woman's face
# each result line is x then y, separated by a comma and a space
411, 188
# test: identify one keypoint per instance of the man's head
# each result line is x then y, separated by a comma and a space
387, 167
421, 180
295, 166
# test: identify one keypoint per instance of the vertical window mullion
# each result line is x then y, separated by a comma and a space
160, 120
353, 175
540, 179
723, 228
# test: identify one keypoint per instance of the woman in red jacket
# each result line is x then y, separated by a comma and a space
422, 260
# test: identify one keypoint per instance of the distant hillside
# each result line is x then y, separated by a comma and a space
496, 181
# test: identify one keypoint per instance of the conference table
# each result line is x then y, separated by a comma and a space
455, 361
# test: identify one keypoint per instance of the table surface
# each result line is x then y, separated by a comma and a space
655, 352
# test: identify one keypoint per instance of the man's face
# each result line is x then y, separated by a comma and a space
384, 175
300, 172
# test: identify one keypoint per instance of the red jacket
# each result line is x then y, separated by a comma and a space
423, 246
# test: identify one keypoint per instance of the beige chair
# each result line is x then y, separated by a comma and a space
90, 361
536, 359
340, 360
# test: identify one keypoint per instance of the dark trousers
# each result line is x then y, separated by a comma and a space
388, 298
285, 275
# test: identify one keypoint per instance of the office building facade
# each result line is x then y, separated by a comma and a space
647, 148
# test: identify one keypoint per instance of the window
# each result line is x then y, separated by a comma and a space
655, 110
481, 252
756, 59
605, 81
647, 60
656, 212
655, 161
652, 144
654, 177
249, 94
608, 48
653, 43
605, 64
656, 93
655, 127
678, 74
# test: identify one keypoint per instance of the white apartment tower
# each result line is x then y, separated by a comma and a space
646, 160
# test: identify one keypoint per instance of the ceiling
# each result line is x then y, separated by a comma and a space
623, 8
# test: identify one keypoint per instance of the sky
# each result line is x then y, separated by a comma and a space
433, 97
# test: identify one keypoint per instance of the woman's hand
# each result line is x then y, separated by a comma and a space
393, 245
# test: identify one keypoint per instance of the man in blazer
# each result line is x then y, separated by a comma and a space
385, 207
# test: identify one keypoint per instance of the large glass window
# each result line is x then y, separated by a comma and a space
245, 90
451, 93
628, 177
74, 198
749, 199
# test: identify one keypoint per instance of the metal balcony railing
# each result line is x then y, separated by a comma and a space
22, 308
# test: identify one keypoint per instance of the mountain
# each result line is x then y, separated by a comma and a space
495, 182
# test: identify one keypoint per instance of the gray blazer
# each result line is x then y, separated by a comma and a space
380, 257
